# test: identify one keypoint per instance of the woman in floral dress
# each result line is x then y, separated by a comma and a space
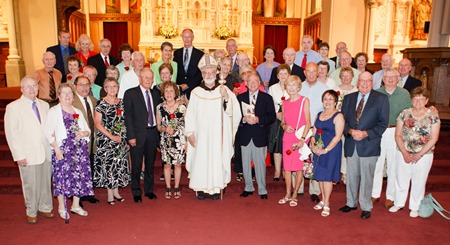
170, 122
111, 160
68, 134
416, 134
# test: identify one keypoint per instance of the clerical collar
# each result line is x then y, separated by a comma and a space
203, 86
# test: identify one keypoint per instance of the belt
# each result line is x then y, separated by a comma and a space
392, 126
151, 127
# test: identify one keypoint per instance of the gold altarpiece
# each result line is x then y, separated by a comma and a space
203, 17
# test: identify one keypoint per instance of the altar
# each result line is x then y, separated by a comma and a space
212, 21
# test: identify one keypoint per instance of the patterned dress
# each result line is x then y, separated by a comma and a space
172, 146
111, 159
72, 174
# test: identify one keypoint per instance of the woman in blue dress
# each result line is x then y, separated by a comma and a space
327, 148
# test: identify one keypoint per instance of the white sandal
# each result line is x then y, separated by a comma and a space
319, 206
326, 211
284, 200
62, 214
80, 211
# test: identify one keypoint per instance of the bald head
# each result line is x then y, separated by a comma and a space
289, 55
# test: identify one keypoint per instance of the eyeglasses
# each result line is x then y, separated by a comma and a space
28, 87
84, 84
390, 77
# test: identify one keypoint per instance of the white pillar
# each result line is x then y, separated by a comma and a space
15, 67
372, 4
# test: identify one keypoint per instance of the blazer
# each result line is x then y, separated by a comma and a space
353, 64
24, 134
412, 83
265, 111
99, 64
59, 59
374, 119
193, 77
135, 113
296, 70
79, 105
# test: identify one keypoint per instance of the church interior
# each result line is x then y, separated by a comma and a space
415, 29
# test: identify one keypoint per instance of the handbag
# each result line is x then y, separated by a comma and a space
299, 131
428, 205
308, 169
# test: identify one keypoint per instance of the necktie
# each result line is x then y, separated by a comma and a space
36, 111
65, 57
149, 109
186, 60
254, 99
359, 109
106, 61
89, 115
304, 61
52, 88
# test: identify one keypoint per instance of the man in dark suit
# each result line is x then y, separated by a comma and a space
254, 132
187, 58
102, 60
407, 82
341, 46
289, 58
140, 108
86, 104
62, 51
366, 116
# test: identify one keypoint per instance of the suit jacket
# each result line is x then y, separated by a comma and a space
59, 59
412, 83
353, 64
296, 70
265, 111
24, 134
99, 64
193, 77
374, 119
77, 103
135, 113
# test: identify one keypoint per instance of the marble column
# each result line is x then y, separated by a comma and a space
15, 67
372, 4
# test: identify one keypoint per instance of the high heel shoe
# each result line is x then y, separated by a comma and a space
111, 202
168, 194
121, 199
176, 193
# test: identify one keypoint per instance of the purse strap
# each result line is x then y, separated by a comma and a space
438, 207
300, 113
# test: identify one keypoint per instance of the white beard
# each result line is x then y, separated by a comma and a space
209, 81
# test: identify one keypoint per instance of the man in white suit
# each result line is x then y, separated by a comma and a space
24, 120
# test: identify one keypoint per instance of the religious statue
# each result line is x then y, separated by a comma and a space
421, 14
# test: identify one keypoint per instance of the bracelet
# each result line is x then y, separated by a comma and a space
303, 137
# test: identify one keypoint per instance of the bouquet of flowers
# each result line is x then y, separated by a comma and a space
223, 32
319, 143
75, 128
168, 31
118, 128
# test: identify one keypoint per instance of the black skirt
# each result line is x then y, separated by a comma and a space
276, 137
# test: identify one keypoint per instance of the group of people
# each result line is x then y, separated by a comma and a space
85, 112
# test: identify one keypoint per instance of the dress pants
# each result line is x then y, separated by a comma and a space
237, 167
388, 152
314, 188
417, 173
36, 186
258, 155
147, 150
360, 171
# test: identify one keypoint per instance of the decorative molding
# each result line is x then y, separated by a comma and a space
3, 16
115, 17
259, 20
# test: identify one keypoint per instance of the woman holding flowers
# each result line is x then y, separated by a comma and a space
111, 159
279, 95
170, 123
327, 148
68, 133
295, 115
